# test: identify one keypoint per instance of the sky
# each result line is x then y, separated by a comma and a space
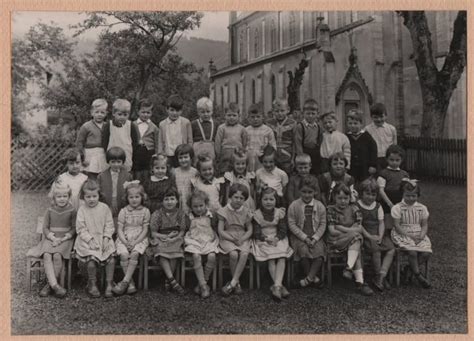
213, 24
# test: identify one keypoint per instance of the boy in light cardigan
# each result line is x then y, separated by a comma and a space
174, 130
333, 141
148, 143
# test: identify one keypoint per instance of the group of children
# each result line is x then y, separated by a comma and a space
192, 187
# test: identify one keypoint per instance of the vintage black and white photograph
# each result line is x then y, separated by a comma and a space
231, 172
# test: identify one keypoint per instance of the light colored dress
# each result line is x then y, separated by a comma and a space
212, 189
133, 220
201, 237
235, 222
75, 182
183, 184
263, 251
410, 217
94, 222
245, 180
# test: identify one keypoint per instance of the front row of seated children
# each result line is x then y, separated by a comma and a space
208, 228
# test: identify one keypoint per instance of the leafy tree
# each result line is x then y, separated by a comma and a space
437, 86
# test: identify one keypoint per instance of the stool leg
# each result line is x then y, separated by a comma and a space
69, 273
62, 274
183, 271
397, 261
427, 270
251, 272
28, 274
145, 273
289, 272
258, 274
140, 272
214, 280
329, 267
220, 270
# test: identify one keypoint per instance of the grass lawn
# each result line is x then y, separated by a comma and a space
408, 309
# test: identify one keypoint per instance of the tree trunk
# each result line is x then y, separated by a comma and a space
294, 85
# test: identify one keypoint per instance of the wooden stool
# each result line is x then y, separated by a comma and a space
155, 267
291, 271
221, 267
287, 265
187, 264
398, 262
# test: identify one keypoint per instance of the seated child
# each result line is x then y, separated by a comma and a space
259, 136
174, 130
112, 179
120, 132
184, 173
235, 230
271, 176
411, 228
204, 129
74, 159
337, 174
89, 139
309, 135
283, 127
208, 183
94, 245
376, 241
307, 223
148, 141
201, 239
59, 226
303, 166
333, 141
270, 241
345, 234
230, 135
158, 182
363, 148
167, 228
132, 235
239, 174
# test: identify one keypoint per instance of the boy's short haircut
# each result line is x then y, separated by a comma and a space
115, 153
368, 185
183, 149
175, 102
71, 155
255, 109
239, 154
338, 156
395, 149
145, 103
204, 157
378, 109
267, 151
302, 159
99, 103
232, 107
310, 181
280, 102
310, 103
355, 114
204, 102
121, 104
88, 185
171, 191
410, 187
238, 187
330, 114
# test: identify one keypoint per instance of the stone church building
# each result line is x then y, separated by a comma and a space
354, 59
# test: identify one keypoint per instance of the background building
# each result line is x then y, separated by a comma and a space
354, 59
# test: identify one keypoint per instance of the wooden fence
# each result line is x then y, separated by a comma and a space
441, 160
34, 166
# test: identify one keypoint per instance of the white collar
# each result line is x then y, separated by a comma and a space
139, 121
158, 180
229, 206
383, 125
312, 203
314, 124
170, 121
370, 207
208, 214
395, 169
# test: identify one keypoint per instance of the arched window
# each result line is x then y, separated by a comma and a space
273, 36
273, 86
241, 47
236, 93
254, 94
256, 44
292, 25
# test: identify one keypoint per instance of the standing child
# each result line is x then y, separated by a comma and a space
208, 183
58, 238
283, 127
204, 129
337, 174
94, 245
376, 241
120, 132
345, 234
382, 132
411, 228
239, 174
235, 230
89, 139
184, 173
167, 228
158, 182
148, 141
363, 148
230, 136
111, 180
333, 141
201, 239
270, 241
73, 177
307, 223
309, 135
303, 166
271, 176
259, 136
132, 235
174, 130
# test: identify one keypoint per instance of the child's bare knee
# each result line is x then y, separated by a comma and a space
211, 257
124, 257
134, 256
57, 257
233, 255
